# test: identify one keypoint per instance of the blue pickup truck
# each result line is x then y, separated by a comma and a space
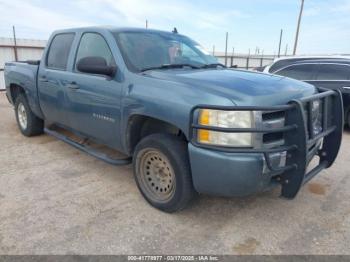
187, 123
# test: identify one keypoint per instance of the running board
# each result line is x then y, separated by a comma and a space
89, 150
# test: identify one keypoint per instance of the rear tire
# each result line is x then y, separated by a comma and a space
162, 172
28, 123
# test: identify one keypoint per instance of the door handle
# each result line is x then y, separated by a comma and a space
73, 85
43, 79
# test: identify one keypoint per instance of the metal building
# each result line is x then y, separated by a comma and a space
23, 50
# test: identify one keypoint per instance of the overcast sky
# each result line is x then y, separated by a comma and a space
250, 23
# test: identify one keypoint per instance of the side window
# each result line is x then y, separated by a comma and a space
300, 72
57, 56
92, 44
333, 72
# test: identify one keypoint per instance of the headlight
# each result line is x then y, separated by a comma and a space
316, 115
228, 119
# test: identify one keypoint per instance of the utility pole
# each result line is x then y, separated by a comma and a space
286, 51
247, 64
15, 43
213, 50
298, 27
233, 53
146, 24
279, 46
226, 49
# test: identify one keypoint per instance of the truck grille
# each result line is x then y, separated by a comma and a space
273, 120
276, 119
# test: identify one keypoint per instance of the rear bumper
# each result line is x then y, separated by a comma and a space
239, 172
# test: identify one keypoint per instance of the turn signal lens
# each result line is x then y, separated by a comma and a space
203, 135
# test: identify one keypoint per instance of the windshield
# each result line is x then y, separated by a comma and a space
143, 50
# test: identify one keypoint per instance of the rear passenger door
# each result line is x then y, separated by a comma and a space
304, 72
333, 76
94, 100
51, 78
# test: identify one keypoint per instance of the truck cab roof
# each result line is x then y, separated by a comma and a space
113, 29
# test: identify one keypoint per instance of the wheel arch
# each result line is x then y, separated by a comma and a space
139, 126
15, 91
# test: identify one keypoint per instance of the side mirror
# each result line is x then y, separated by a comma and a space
95, 65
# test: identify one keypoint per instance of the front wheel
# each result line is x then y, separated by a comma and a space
162, 172
28, 123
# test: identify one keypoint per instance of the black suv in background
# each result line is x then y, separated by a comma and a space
327, 72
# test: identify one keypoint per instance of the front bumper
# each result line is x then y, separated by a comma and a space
244, 171
227, 174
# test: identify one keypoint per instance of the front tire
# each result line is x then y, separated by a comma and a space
28, 123
162, 172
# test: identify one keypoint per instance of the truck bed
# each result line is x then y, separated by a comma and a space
23, 74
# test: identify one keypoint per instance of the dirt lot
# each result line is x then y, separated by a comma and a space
57, 200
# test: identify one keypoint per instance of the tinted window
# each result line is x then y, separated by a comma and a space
280, 64
57, 57
300, 72
333, 72
147, 49
93, 44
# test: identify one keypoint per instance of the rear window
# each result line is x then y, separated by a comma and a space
333, 72
57, 57
300, 72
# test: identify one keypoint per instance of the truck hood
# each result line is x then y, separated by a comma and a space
241, 87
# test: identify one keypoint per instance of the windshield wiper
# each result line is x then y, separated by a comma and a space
168, 66
214, 65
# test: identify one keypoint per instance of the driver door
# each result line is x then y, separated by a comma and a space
94, 100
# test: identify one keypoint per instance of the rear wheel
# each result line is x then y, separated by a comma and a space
162, 172
28, 123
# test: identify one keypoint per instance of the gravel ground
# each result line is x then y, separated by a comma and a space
55, 199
